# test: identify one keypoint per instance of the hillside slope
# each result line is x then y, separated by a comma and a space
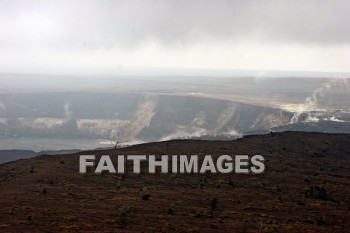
305, 187
11, 155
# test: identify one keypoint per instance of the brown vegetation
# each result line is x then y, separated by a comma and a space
305, 187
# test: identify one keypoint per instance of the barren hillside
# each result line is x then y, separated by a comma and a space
305, 187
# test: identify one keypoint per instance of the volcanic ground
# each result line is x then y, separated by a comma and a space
305, 188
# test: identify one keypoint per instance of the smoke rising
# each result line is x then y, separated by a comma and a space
67, 112
311, 103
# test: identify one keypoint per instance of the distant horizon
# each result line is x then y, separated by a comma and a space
193, 72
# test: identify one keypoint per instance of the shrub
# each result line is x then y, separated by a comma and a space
213, 203
171, 210
124, 214
32, 169
44, 191
317, 193
146, 196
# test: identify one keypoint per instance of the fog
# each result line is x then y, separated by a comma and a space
97, 71
109, 37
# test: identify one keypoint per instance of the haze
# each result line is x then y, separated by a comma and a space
113, 37
85, 74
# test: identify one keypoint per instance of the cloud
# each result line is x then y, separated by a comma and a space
95, 23
84, 32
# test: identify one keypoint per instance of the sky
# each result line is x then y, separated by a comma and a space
107, 37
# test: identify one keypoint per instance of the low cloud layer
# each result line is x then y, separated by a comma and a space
240, 34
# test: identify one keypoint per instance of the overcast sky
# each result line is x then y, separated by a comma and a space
105, 36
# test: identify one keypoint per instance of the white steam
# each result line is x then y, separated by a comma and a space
142, 117
3, 108
102, 127
224, 118
311, 103
41, 123
233, 133
3, 121
311, 118
67, 112
332, 118
185, 132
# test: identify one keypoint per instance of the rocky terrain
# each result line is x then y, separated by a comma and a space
305, 188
